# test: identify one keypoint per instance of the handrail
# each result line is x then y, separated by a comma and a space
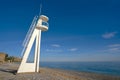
29, 34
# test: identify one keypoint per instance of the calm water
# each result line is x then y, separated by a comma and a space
110, 68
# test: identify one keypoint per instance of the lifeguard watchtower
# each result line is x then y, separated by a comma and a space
38, 25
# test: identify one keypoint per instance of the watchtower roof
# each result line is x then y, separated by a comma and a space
44, 18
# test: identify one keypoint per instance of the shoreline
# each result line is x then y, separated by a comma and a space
82, 71
8, 72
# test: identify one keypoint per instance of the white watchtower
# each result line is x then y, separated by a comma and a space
34, 33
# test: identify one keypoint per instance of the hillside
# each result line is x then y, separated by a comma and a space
6, 58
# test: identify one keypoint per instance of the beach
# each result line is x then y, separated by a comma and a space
8, 72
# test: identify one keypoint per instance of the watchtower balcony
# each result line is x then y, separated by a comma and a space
42, 23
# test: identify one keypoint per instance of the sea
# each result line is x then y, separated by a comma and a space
108, 68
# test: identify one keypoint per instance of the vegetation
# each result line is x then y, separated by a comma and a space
9, 58
6, 58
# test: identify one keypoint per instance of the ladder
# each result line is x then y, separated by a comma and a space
29, 34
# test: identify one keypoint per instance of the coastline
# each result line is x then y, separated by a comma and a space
8, 72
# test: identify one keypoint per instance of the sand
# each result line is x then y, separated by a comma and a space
8, 72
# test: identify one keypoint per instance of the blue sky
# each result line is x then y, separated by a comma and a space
79, 30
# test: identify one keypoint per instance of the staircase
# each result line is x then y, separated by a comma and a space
29, 34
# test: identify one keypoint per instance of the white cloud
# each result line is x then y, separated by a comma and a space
53, 50
73, 49
109, 35
55, 45
111, 50
114, 49
114, 45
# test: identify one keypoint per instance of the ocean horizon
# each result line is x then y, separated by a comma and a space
107, 68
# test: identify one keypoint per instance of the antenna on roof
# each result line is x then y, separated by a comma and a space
40, 9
